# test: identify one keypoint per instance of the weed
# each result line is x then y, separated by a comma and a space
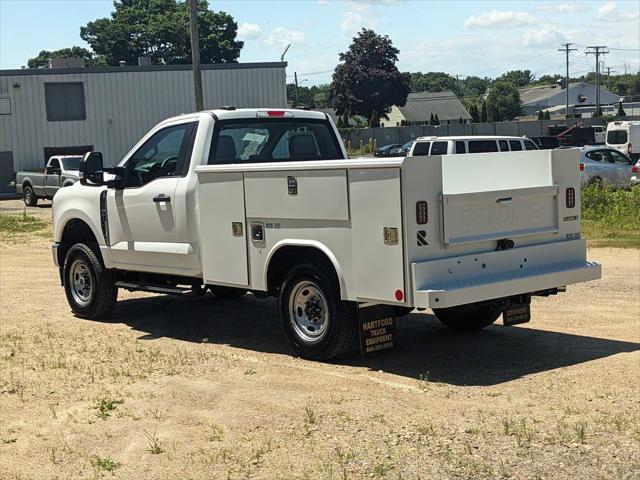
343, 460
580, 429
309, 421
217, 434
381, 469
250, 371
106, 464
20, 224
155, 446
426, 429
105, 407
9, 440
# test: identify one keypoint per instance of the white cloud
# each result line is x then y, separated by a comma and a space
571, 7
249, 31
277, 37
499, 19
546, 36
322, 3
358, 17
609, 12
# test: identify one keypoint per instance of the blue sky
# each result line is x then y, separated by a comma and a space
459, 37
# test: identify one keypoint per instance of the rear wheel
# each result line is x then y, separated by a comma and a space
468, 317
318, 324
90, 288
29, 196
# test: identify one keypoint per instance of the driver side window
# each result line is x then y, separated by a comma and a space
163, 155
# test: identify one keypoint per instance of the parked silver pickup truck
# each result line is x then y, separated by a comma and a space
61, 171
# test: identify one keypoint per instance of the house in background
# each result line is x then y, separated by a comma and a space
544, 97
420, 106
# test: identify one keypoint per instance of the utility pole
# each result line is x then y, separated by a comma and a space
195, 54
566, 50
609, 70
295, 76
597, 50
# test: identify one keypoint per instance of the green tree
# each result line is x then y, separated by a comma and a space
473, 111
504, 101
436, 120
484, 116
546, 115
519, 78
42, 60
160, 29
432, 120
366, 81
540, 115
473, 87
433, 82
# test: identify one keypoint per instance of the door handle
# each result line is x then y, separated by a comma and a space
162, 198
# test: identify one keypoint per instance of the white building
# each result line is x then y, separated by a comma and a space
420, 107
73, 110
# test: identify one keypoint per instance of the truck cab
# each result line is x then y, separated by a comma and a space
266, 200
60, 171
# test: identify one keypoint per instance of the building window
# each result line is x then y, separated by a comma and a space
65, 101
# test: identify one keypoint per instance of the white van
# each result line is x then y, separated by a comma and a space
469, 144
624, 136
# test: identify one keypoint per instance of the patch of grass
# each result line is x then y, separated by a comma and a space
217, 433
155, 446
106, 464
610, 217
105, 407
580, 429
20, 224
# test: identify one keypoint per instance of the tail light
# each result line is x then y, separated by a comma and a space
570, 197
582, 167
422, 212
635, 169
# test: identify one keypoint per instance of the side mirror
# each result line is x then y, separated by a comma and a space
92, 169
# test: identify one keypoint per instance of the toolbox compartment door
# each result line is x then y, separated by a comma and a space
499, 214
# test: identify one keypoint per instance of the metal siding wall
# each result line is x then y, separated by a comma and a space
122, 106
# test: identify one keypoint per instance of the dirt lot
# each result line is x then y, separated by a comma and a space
203, 388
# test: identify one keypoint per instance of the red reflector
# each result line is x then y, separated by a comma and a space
422, 212
275, 113
399, 295
570, 197
582, 167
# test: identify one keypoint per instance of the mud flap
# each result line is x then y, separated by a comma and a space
377, 328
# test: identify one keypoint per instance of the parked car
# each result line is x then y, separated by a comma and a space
546, 142
624, 136
385, 150
605, 167
635, 174
267, 201
61, 171
469, 144
402, 150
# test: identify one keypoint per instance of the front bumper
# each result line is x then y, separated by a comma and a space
473, 278
54, 251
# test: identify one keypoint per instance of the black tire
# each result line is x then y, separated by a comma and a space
81, 262
227, 292
468, 317
340, 325
596, 182
29, 196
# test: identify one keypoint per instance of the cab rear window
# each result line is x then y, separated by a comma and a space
273, 140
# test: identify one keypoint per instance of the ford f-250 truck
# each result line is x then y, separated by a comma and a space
267, 201
60, 171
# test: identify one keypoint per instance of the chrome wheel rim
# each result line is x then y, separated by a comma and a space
308, 311
27, 195
81, 284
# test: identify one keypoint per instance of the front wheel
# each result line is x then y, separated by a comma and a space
29, 196
90, 288
315, 320
468, 317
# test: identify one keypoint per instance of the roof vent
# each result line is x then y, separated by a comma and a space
122, 63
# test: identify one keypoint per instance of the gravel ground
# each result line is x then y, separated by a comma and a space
203, 388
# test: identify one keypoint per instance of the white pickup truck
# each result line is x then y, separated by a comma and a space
267, 201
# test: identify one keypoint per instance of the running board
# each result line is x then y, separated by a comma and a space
144, 287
